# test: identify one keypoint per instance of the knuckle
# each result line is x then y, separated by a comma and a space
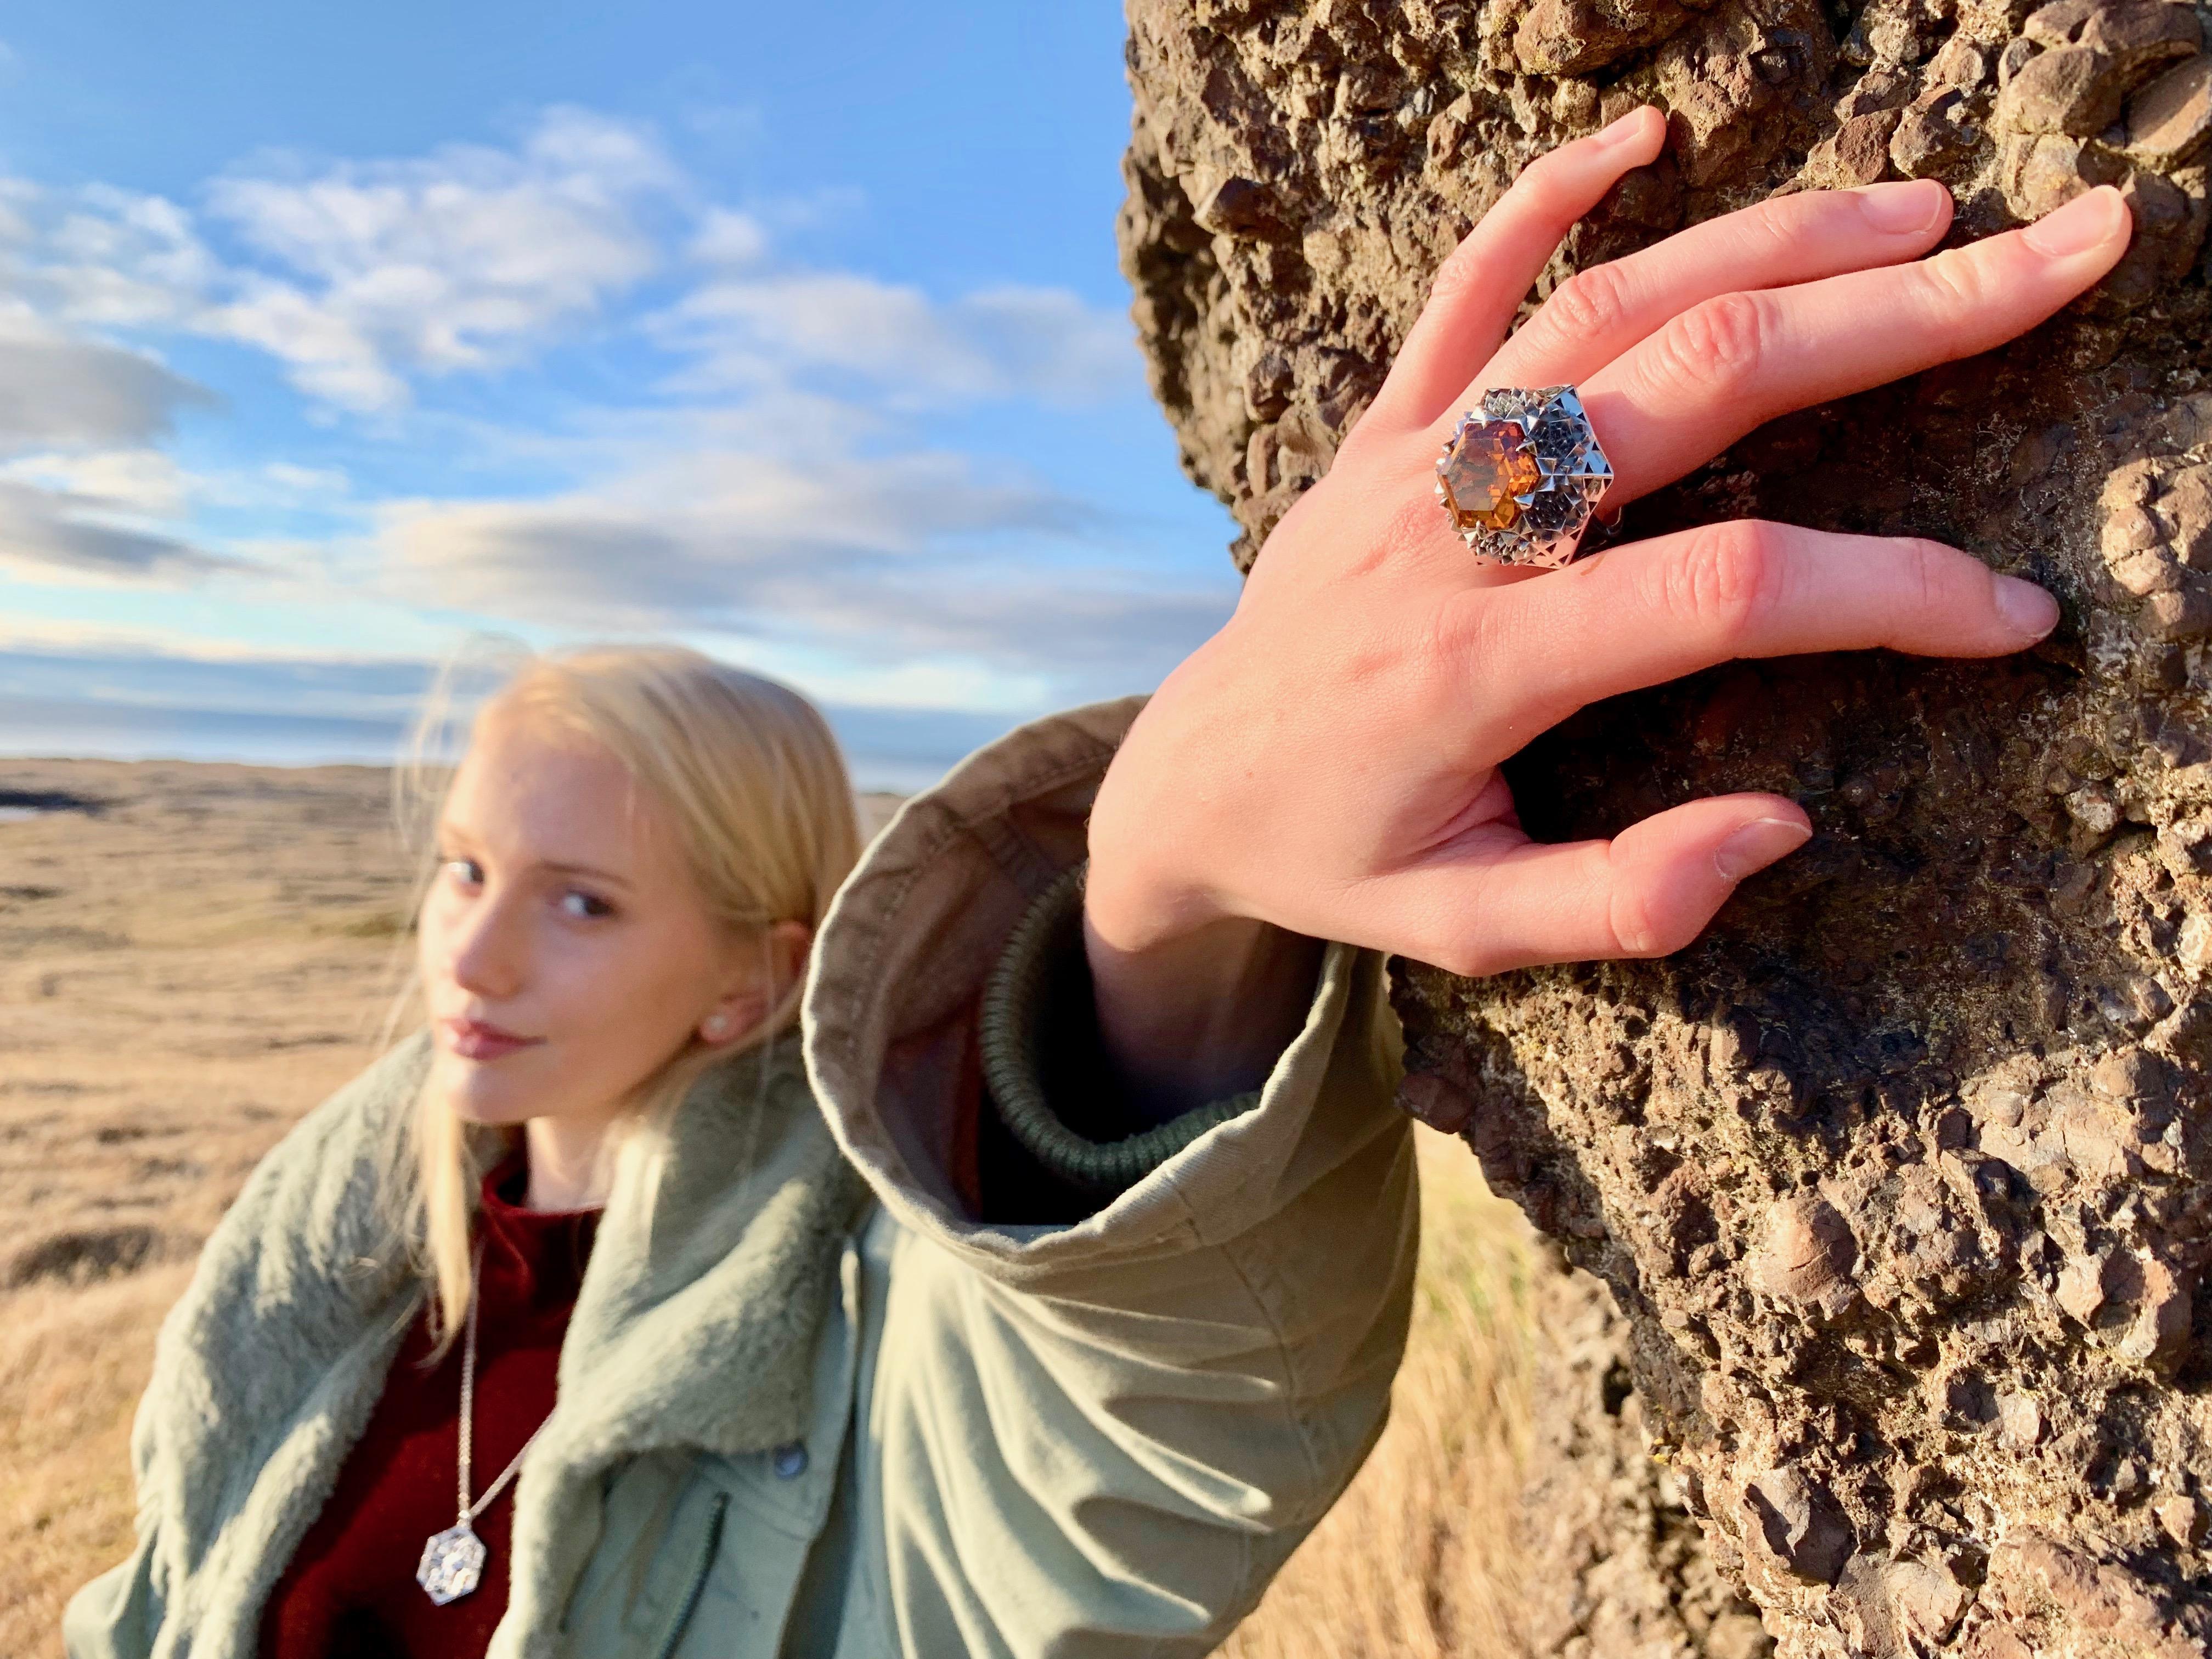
1629, 920
1545, 186
1543, 178
1927, 576
1720, 344
1590, 305
1369, 431
1644, 929
1953, 280
1725, 578
1779, 228
1460, 958
1460, 632
1930, 583
1460, 272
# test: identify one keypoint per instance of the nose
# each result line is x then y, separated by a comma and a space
489, 952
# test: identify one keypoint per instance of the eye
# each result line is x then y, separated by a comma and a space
465, 872
584, 907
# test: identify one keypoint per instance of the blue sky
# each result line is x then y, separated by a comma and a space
330, 338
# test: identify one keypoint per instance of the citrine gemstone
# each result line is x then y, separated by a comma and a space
1489, 465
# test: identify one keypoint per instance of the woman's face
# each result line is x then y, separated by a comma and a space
566, 951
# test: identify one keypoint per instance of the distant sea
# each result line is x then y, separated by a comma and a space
897, 749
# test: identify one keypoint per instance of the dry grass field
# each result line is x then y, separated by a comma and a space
1418, 1559
186, 966
191, 956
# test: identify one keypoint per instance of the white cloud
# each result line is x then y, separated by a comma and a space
58, 387
711, 534
365, 277
916, 558
298, 485
332, 357
118, 258
150, 483
461, 259
726, 237
58, 635
141, 480
124, 516
1001, 343
778, 489
46, 534
359, 275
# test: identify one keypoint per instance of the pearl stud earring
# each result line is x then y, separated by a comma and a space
716, 1028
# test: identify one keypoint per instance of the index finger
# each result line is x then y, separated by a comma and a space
1479, 287
1603, 310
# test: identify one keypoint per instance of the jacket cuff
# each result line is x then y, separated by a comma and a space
1039, 991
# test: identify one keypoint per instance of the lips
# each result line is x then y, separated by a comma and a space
476, 1039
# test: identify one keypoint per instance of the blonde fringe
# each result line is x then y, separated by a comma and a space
752, 775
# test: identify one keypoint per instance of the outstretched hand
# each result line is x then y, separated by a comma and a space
1326, 766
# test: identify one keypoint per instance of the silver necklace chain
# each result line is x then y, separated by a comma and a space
469, 1511
453, 1560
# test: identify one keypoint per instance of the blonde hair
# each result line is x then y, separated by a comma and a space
751, 778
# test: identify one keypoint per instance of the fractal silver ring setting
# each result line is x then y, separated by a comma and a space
1522, 476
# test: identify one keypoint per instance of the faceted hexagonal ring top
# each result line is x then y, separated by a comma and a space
1522, 476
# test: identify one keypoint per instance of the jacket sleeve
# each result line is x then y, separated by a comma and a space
118, 1614
235, 1441
1101, 1437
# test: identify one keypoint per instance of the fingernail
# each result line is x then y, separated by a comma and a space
1623, 128
1902, 209
2085, 222
2026, 608
1756, 845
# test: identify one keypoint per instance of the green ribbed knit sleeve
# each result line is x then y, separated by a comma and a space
1019, 1021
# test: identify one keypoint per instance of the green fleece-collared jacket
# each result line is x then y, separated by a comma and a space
809, 1403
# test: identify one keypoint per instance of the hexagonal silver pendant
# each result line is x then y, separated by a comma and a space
452, 1563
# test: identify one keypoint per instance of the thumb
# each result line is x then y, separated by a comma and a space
1672, 872
1647, 892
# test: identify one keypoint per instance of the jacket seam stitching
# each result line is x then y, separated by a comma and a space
965, 823
868, 958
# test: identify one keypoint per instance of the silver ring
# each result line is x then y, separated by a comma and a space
1522, 476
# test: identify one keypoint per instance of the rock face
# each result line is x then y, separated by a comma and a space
1899, 1177
1620, 1568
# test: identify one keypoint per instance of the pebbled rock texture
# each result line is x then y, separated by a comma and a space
1621, 1571
1899, 1177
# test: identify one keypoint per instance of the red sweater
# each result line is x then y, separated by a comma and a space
350, 1588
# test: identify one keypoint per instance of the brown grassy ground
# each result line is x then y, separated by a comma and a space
195, 962
1418, 1559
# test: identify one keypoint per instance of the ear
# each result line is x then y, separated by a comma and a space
789, 943
733, 1016
748, 1002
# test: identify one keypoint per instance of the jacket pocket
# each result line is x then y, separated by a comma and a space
710, 1545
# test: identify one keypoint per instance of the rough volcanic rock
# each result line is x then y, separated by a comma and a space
1620, 1568
1899, 1176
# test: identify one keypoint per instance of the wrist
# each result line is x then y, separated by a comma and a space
1136, 913
1144, 893
1196, 997
1200, 1015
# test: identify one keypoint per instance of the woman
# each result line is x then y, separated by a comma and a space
1051, 1301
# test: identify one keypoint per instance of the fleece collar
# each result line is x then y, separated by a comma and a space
694, 1327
